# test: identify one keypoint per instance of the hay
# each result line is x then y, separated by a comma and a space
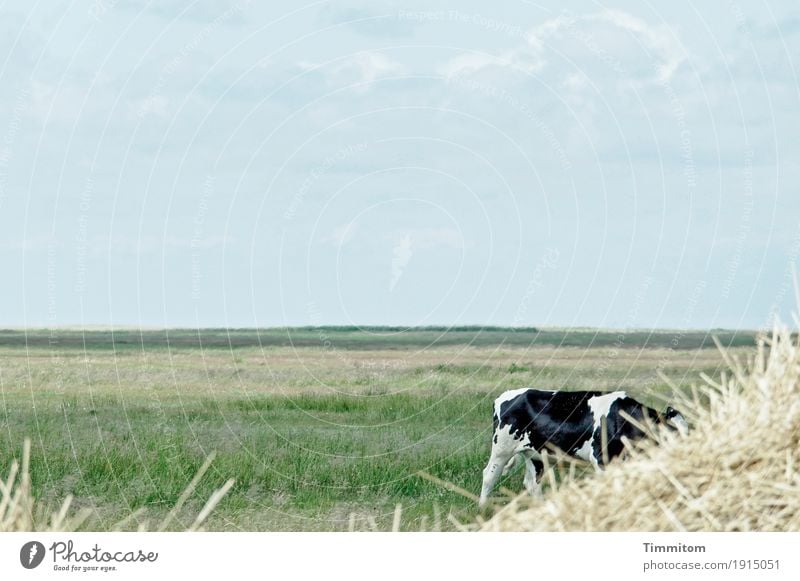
737, 470
19, 511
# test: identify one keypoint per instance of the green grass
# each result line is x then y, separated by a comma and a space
310, 434
303, 456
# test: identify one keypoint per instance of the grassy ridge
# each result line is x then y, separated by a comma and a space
370, 338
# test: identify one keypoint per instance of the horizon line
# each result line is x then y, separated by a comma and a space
356, 328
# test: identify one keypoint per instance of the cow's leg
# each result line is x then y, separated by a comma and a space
596, 460
501, 456
533, 475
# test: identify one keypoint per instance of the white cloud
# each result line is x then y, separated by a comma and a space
56, 103
575, 86
583, 34
362, 68
424, 238
401, 255
407, 243
371, 66
658, 39
155, 104
470, 63
539, 34
343, 234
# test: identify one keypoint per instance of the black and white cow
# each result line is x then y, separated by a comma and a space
526, 420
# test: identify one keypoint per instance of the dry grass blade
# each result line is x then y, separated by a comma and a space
398, 515
216, 496
644, 425
459, 526
187, 492
134, 516
448, 485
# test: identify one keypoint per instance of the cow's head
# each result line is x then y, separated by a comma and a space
674, 419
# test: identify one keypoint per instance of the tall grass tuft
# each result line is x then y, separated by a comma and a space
738, 469
20, 511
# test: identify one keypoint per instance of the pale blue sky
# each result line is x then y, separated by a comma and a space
617, 164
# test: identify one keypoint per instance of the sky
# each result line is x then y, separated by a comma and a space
239, 164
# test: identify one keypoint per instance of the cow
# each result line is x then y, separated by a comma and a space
528, 421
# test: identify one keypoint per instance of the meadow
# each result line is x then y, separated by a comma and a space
321, 428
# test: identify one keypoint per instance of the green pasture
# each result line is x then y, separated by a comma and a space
318, 427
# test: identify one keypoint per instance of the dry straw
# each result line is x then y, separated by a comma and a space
19, 511
738, 469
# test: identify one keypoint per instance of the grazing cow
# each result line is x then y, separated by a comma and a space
527, 420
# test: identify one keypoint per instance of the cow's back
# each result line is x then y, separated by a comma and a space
564, 419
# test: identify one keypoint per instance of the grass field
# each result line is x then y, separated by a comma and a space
314, 424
